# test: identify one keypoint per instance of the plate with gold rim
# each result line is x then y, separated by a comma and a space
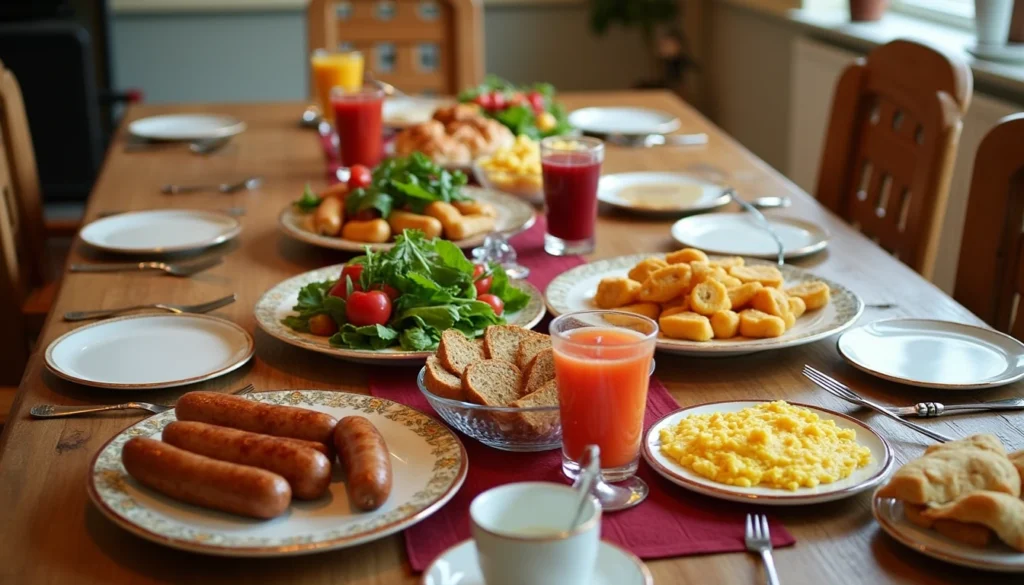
277, 303
428, 460
861, 479
574, 290
514, 216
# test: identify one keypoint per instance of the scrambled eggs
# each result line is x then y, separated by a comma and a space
516, 167
774, 444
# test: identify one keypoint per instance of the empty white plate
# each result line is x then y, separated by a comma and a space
160, 231
149, 351
460, 565
623, 121
934, 354
739, 234
186, 127
652, 192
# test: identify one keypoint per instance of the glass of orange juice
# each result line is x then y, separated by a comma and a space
602, 367
332, 69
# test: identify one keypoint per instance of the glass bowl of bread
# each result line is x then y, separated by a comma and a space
514, 169
499, 390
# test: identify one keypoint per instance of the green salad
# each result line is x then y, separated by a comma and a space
530, 110
406, 297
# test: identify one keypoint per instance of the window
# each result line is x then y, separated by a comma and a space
429, 55
385, 10
343, 10
385, 57
957, 12
429, 10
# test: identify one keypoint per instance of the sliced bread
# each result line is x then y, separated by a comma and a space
456, 351
492, 382
530, 347
538, 423
441, 382
501, 342
540, 371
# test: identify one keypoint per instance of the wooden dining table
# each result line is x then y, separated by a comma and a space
51, 533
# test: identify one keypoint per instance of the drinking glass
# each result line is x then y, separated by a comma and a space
570, 168
358, 120
332, 69
602, 366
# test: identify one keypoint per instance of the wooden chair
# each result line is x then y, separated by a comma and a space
433, 47
891, 145
990, 276
27, 289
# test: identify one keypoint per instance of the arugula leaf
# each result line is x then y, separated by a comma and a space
313, 300
335, 307
363, 199
300, 324
452, 256
413, 190
514, 299
309, 200
440, 317
417, 339
367, 337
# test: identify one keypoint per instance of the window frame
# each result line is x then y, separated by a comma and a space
959, 13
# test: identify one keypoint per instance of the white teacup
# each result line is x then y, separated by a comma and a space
521, 533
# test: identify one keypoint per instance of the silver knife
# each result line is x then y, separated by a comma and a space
933, 409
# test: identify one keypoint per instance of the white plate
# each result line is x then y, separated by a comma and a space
277, 303
574, 290
995, 557
428, 461
934, 354
459, 565
186, 127
739, 234
160, 231
652, 192
629, 121
142, 352
402, 112
1009, 53
862, 479
514, 215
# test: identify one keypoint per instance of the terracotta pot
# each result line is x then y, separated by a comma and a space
867, 10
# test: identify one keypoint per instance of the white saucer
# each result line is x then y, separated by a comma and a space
739, 234
658, 193
934, 354
143, 352
628, 121
459, 566
186, 127
160, 231
1010, 53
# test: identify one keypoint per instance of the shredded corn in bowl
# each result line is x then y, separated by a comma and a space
515, 168
773, 444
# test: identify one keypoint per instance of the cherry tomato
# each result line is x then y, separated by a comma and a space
536, 101
485, 101
498, 101
389, 290
353, 271
368, 308
516, 99
482, 284
322, 325
496, 303
359, 177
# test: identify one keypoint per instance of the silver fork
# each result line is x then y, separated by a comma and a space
761, 219
51, 411
759, 540
176, 309
837, 389
173, 268
247, 183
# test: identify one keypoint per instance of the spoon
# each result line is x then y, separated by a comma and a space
771, 201
612, 497
248, 183
590, 469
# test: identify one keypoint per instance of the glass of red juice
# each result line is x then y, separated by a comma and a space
358, 122
571, 168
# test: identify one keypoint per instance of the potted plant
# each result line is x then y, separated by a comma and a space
660, 25
867, 10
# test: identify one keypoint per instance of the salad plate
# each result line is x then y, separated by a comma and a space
428, 461
160, 231
186, 127
628, 121
660, 193
574, 290
285, 311
739, 234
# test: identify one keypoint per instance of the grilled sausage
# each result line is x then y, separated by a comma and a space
206, 482
372, 230
328, 217
306, 470
469, 226
367, 462
248, 415
404, 220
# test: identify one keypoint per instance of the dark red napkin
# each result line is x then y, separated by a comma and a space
671, 522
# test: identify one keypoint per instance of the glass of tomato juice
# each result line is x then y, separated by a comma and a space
570, 169
603, 367
358, 119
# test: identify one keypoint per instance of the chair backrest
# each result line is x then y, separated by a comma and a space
990, 275
891, 145
420, 46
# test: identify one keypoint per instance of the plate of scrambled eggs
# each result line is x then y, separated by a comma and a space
770, 453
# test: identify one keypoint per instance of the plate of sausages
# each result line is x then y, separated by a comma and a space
465, 224
276, 473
